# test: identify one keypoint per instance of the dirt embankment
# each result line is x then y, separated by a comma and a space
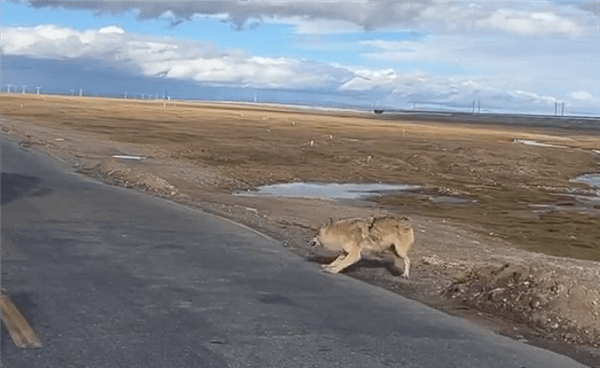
473, 259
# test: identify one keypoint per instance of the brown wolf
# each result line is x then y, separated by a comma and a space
378, 234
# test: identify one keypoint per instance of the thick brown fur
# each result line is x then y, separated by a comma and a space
378, 234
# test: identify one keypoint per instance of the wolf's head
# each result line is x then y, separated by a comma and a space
319, 233
317, 239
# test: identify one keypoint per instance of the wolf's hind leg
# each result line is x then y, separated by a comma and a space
406, 260
400, 252
402, 262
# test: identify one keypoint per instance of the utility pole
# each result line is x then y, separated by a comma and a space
556, 108
24, 89
472, 112
563, 109
8, 88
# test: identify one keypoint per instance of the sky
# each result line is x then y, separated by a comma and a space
509, 57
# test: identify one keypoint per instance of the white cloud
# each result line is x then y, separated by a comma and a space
48, 41
155, 56
111, 29
386, 79
507, 62
533, 97
403, 50
425, 90
581, 96
529, 23
530, 19
504, 73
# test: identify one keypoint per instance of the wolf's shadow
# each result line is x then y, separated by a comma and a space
386, 263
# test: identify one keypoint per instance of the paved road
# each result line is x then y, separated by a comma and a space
112, 278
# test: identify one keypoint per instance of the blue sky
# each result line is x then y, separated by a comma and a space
520, 57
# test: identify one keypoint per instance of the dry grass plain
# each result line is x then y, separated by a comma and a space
476, 256
251, 146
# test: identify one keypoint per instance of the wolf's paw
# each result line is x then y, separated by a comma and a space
328, 269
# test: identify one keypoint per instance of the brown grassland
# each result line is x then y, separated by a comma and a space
260, 145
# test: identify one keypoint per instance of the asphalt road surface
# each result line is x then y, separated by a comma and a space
109, 277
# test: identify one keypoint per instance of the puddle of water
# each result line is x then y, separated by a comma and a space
129, 157
593, 180
528, 142
451, 200
578, 199
580, 204
327, 190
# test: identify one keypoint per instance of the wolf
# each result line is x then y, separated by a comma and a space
384, 234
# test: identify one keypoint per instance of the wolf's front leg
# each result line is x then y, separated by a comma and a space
331, 266
347, 261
